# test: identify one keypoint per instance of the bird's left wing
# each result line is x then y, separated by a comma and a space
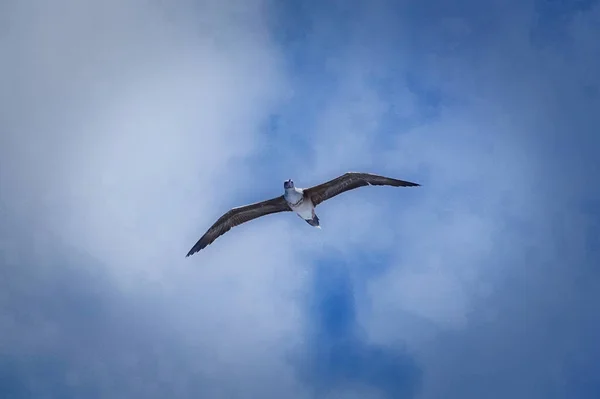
350, 181
237, 216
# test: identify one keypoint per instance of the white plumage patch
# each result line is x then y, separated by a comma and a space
304, 210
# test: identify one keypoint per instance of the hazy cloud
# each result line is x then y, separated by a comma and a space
129, 127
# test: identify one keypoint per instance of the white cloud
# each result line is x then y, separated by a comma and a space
126, 126
126, 130
502, 170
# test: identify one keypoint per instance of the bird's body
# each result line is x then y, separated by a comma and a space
302, 205
301, 201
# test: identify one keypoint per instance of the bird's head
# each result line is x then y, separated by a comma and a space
288, 184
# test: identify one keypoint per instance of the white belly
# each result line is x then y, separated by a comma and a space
304, 210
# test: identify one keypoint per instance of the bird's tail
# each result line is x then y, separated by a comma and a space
314, 221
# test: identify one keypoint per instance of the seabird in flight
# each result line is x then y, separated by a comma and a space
300, 200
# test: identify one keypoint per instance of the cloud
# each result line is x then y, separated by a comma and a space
498, 125
341, 362
126, 127
129, 127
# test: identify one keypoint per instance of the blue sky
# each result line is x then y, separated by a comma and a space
129, 126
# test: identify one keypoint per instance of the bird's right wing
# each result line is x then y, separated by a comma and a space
237, 216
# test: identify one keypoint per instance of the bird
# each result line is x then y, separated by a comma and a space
300, 200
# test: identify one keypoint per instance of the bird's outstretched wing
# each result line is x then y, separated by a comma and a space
350, 181
237, 216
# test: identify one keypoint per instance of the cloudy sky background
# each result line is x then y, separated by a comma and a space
128, 127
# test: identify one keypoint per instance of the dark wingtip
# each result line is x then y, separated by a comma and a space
200, 245
192, 251
411, 184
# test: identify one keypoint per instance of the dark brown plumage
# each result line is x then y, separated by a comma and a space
237, 216
317, 194
349, 181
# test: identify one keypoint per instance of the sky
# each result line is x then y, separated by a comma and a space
128, 127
